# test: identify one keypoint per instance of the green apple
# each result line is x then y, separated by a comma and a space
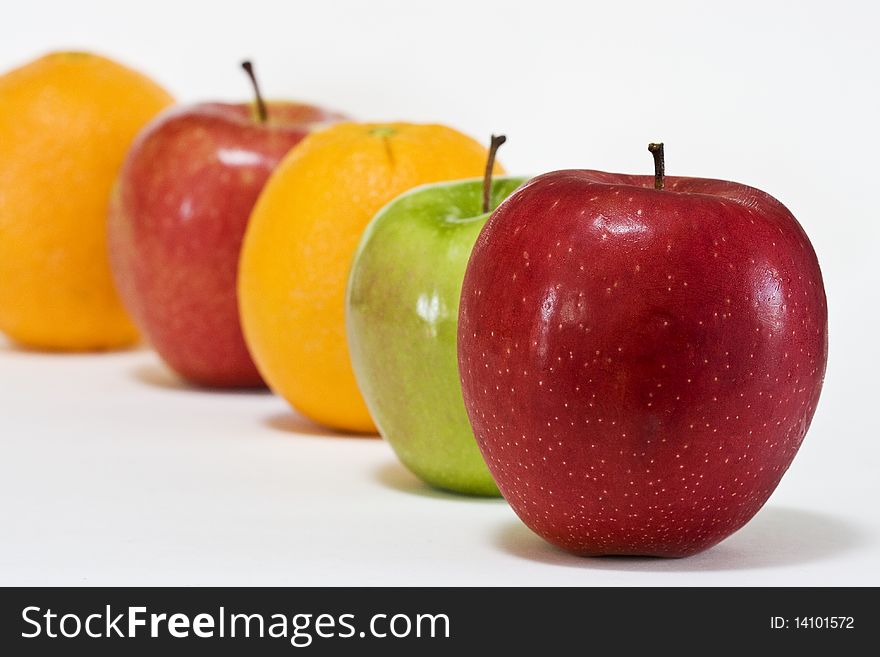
402, 321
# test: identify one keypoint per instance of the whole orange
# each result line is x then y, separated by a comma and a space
300, 241
66, 122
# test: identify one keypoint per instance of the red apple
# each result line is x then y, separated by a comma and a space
177, 219
640, 365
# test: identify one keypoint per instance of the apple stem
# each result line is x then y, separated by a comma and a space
659, 164
262, 112
494, 145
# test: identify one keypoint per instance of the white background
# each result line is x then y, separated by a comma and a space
111, 472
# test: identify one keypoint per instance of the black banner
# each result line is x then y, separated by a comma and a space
430, 621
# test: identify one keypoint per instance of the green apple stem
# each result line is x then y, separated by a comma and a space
659, 164
494, 145
262, 112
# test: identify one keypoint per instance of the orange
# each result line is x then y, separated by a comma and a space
300, 241
66, 122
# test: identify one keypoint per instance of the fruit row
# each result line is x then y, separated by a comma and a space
632, 360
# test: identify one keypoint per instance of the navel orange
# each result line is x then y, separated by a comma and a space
66, 121
298, 248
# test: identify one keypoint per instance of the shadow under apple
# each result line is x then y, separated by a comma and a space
393, 475
776, 536
158, 375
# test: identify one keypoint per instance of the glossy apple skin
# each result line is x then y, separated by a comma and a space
176, 222
402, 321
640, 366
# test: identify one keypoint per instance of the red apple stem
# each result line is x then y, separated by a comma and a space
262, 112
494, 144
659, 164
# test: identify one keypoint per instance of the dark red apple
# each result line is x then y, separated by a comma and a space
177, 219
640, 365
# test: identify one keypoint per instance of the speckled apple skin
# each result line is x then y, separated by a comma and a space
176, 223
640, 366
402, 321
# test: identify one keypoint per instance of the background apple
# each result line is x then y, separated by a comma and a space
640, 365
402, 319
177, 219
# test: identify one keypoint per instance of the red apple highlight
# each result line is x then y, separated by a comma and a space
177, 220
640, 365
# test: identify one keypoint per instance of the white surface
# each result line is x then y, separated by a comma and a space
111, 474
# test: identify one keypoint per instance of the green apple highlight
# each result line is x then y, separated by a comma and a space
402, 321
